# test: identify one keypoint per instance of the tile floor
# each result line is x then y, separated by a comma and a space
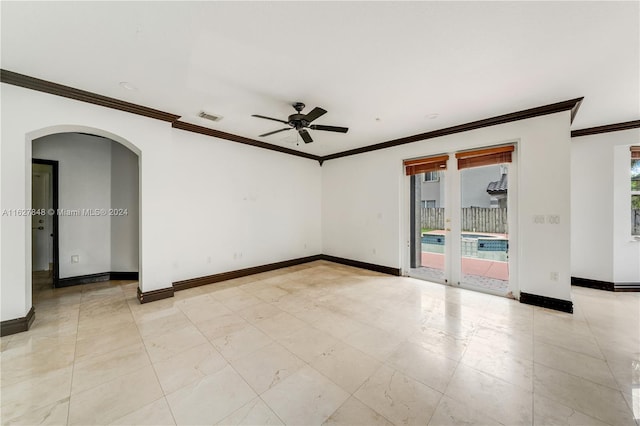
321, 344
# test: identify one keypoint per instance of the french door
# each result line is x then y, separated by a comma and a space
459, 221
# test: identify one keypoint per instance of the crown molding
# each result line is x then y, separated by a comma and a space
33, 83
240, 139
572, 105
617, 127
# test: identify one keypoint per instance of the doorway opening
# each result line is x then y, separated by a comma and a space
45, 262
88, 192
460, 219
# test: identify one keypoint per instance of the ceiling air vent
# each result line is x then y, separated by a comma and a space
210, 116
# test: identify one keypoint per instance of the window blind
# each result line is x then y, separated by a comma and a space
635, 152
426, 164
484, 157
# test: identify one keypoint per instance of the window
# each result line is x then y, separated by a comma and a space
431, 176
428, 204
635, 190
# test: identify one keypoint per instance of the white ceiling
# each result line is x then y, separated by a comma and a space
396, 61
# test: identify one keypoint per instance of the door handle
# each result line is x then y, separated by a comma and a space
40, 227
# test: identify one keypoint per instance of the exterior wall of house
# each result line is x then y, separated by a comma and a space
206, 205
474, 185
601, 243
365, 215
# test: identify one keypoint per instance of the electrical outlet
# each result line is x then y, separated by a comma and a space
553, 219
208, 259
554, 276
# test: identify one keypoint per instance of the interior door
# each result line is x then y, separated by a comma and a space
41, 228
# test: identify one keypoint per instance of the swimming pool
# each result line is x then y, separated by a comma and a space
479, 246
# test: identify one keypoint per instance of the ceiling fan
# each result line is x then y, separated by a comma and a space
302, 122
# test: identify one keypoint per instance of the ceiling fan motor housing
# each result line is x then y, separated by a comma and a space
298, 121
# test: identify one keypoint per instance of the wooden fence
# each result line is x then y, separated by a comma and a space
635, 221
474, 219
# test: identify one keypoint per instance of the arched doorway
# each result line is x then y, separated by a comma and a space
98, 233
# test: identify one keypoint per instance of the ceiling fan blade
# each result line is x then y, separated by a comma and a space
329, 128
306, 137
269, 118
315, 113
276, 131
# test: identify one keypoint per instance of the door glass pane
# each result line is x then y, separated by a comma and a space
428, 224
484, 238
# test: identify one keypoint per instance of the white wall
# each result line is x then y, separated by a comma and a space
601, 243
363, 200
124, 195
84, 173
199, 196
235, 206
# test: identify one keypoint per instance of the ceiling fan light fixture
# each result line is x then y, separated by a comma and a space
301, 122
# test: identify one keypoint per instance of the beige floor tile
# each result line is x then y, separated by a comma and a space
453, 413
240, 301
163, 346
155, 414
189, 366
280, 325
222, 325
549, 412
255, 412
90, 326
204, 308
426, 367
374, 342
90, 371
242, 342
419, 327
259, 312
162, 321
507, 403
112, 400
585, 366
316, 398
398, 398
497, 343
54, 414
516, 371
270, 294
346, 366
574, 342
439, 342
101, 343
26, 364
267, 367
582, 395
210, 399
36, 392
355, 413
308, 342
333, 323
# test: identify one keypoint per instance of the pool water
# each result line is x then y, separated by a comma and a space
472, 245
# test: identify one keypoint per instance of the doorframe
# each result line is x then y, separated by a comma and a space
55, 230
452, 204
